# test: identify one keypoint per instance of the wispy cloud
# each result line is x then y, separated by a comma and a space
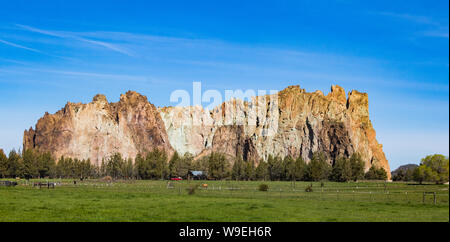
75, 36
20, 46
32, 50
413, 18
437, 33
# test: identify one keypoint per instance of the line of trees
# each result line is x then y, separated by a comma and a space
154, 165
318, 169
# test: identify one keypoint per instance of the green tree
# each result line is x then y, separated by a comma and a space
45, 164
3, 164
85, 169
30, 164
180, 166
142, 167
249, 172
128, 169
153, 166
376, 173
262, 171
400, 176
173, 165
357, 165
185, 165
65, 168
439, 165
289, 168
15, 165
201, 164
424, 173
299, 169
157, 160
342, 170
217, 166
238, 169
318, 168
114, 166
276, 168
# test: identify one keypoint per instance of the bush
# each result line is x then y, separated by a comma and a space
309, 188
263, 187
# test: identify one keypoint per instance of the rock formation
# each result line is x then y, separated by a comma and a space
289, 123
99, 129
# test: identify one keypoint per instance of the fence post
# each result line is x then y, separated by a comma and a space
423, 199
231, 190
434, 194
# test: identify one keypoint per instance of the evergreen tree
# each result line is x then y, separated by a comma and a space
276, 169
114, 166
4, 166
289, 169
15, 165
262, 171
157, 163
128, 169
342, 170
142, 168
357, 165
249, 172
238, 170
376, 173
174, 164
30, 164
45, 164
217, 166
300, 169
318, 168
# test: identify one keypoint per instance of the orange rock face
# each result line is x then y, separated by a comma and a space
99, 129
290, 123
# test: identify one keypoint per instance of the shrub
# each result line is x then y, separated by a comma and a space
263, 187
309, 188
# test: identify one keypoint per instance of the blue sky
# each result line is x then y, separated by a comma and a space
52, 52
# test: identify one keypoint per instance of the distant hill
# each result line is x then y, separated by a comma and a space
404, 168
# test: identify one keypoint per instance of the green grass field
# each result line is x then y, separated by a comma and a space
223, 201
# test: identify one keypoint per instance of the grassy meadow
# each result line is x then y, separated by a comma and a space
95, 200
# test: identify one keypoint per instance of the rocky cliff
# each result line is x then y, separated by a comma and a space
99, 129
291, 122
